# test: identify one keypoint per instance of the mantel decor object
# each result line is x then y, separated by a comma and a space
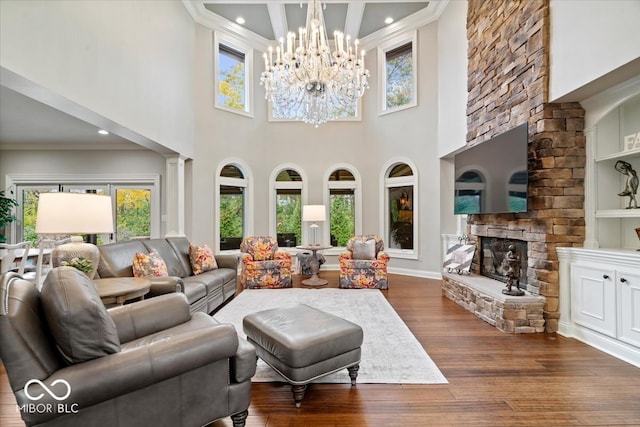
511, 268
631, 183
75, 214
638, 234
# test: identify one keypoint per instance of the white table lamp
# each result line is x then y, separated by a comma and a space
314, 213
75, 213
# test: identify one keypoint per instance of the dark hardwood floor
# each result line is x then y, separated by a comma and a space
495, 379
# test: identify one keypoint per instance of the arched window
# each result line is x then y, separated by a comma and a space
232, 206
470, 193
344, 198
286, 205
401, 209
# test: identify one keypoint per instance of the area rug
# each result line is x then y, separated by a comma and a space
390, 352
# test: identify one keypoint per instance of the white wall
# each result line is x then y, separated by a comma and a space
452, 103
130, 62
367, 145
589, 39
452, 78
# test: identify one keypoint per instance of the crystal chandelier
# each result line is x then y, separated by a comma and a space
304, 80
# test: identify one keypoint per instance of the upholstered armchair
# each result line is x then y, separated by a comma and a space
71, 362
364, 263
263, 265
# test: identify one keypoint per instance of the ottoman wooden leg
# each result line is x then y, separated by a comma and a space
353, 373
298, 393
240, 418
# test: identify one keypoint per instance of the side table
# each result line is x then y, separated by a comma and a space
314, 280
117, 290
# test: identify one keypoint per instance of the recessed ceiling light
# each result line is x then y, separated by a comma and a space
388, 20
103, 132
240, 20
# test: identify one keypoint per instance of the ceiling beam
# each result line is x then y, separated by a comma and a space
278, 16
352, 23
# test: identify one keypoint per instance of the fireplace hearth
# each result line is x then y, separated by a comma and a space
493, 251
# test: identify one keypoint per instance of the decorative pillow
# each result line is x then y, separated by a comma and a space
262, 249
364, 250
201, 258
150, 264
76, 316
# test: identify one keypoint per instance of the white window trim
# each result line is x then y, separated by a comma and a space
151, 181
240, 46
274, 185
247, 184
357, 187
399, 40
385, 184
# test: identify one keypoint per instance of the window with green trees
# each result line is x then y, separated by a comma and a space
231, 78
232, 207
131, 203
288, 187
398, 73
342, 210
133, 213
233, 68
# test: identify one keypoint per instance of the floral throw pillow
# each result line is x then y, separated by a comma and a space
150, 264
201, 258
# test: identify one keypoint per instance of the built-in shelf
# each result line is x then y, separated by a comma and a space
612, 121
629, 154
618, 213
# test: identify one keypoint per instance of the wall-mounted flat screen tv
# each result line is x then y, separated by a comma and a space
491, 177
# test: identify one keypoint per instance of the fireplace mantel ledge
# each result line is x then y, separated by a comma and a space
493, 288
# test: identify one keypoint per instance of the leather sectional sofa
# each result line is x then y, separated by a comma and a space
205, 292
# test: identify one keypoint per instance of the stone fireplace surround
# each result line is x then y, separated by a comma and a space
508, 67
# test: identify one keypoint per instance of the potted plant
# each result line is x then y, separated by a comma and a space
6, 213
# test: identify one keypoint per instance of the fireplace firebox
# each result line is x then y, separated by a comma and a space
492, 255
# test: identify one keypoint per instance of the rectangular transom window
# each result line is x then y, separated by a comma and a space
397, 70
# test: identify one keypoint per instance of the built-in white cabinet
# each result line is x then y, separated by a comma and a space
600, 299
628, 282
593, 298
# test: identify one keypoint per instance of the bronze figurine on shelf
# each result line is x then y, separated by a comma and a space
631, 185
511, 268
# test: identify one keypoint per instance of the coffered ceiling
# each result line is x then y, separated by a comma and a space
273, 19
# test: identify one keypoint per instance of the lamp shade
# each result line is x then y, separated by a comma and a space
74, 213
314, 213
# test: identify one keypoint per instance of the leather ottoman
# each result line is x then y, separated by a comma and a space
303, 343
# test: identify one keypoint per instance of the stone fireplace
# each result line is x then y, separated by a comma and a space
508, 69
492, 253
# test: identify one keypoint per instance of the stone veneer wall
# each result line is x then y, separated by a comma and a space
508, 77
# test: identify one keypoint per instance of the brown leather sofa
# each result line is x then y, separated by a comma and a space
149, 363
205, 292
